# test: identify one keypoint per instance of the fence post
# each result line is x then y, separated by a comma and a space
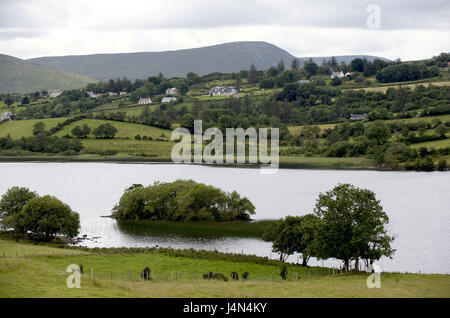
195, 275
129, 275
92, 274
171, 275
111, 275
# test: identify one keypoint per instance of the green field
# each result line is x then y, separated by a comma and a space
130, 147
24, 128
124, 130
118, 275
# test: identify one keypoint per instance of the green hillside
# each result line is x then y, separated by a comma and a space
18, 76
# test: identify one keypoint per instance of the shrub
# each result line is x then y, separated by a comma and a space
81, 268
283, 272
234, 275
217, 276
442, 165
146, 273
245, 275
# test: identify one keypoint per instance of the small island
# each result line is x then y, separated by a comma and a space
182, 201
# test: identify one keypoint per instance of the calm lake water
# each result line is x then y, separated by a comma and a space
418, 203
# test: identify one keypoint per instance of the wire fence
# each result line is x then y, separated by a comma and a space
170, 276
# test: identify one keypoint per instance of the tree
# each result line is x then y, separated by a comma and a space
47, 216
14, 200
39, 128
293, 234
351, 226
357, 65
106, 131
336, 81
8, 100
280, 67
81, 132
378, 131
310, 67
295, 64
25, 100
252, 73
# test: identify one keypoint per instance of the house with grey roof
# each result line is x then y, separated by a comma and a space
171, 91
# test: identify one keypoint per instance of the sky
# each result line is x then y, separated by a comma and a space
406, 29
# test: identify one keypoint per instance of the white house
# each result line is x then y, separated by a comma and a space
168, 99
54, 93
6, 116
358, 116
303, 81
123, 93
171, 91
223, 91
144, 101
92, 94
337, 74
112, 94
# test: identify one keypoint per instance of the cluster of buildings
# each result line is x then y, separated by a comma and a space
169, 98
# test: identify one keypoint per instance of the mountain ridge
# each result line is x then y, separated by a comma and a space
225, 58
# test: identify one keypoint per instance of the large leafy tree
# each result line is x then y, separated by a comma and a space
47, 216
352, 226
14, 199
293, 234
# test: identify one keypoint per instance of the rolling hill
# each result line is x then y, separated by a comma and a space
19, 76
226, 58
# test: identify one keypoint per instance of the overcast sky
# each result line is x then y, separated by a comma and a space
409, 29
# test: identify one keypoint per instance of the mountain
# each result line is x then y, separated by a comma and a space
19, 76
225, 58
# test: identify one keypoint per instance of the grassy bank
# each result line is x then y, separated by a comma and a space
286, 162
45, 276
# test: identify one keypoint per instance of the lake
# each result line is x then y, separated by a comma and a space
418, 204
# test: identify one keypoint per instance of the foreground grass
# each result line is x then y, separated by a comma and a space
46, 277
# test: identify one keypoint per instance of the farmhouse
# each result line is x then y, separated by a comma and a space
303, 81
171, 91
168, 99
337, 74
144, 101
358, 116
6, 116
223, 91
